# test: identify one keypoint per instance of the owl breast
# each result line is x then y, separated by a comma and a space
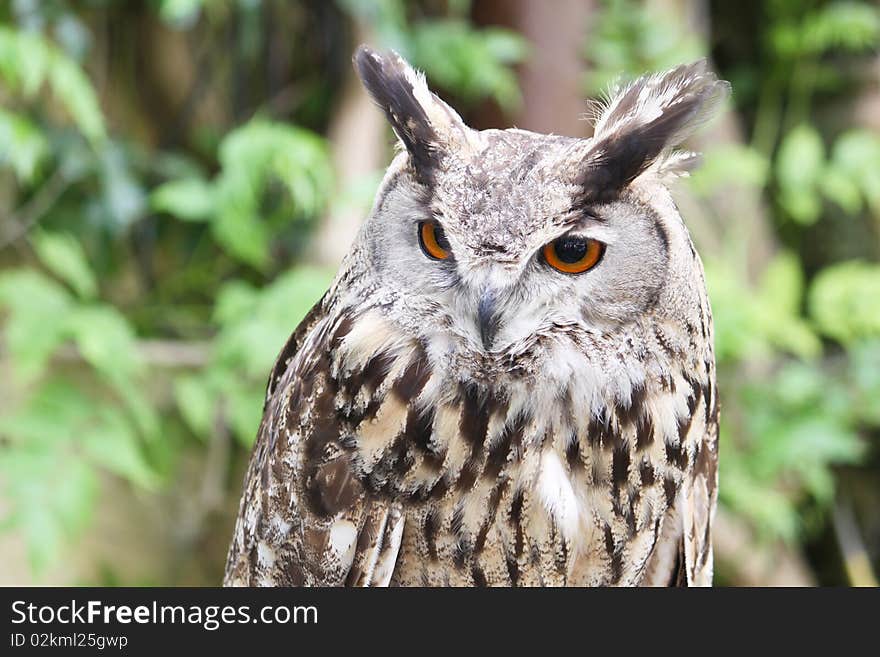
504, 478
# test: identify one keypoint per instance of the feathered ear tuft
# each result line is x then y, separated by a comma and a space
644, 121
425, 125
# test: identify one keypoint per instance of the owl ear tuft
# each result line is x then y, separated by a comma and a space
642, 124
427, 127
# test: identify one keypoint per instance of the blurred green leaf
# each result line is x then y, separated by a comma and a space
76, 93
386, 17
49, 417
630, 38
235, 300
799, 168
54, 437
22, 145
474, 63
855, 156
751, 324
111, 442
24, 60
105, 339
730, 164
35, 307
733, 310
769, 510
245, 408
142, 408
180, 14
196, 402
238, 228
847, 25
843, 301
50, 517
843, 26
253, 340
29, 61
189, 199
782, 283
778, 302
253, 158
797, 428
63, 255
841, 189
864, 363
261, 149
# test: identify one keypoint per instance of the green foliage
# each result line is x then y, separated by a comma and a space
849, 26
28, 62
64, 256
630, 38
756, 323
251, 327
799, 424
188, 199
83, 400
62, 430
854, 171
726, 162
22, 145
844, 301
799, 169
476, 64
850, 178
472, 63
242, 204
34, 306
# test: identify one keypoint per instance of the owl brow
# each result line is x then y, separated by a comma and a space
579, 211
591, 227
577, 216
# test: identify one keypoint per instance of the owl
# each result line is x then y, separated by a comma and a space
511, 381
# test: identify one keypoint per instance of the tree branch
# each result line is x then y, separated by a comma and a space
21, 221
158, 353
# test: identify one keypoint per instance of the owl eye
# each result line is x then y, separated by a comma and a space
573, 255
433, 240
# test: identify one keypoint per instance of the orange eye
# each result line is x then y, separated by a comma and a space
573, 255
433, 240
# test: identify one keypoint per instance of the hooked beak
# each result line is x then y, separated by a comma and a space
486, 316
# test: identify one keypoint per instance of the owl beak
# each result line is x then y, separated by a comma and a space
487, 317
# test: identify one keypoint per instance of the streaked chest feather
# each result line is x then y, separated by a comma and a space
375, 464
509, 479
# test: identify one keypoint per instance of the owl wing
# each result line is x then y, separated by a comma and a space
682, 554
304, 518
698, 501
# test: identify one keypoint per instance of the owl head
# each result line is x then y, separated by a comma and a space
489, 244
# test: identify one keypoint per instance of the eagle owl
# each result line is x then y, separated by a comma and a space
511, 381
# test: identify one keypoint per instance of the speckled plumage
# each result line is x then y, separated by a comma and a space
572, 439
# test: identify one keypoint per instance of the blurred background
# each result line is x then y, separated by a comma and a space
180, 178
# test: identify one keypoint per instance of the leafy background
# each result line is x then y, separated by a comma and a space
179, 178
